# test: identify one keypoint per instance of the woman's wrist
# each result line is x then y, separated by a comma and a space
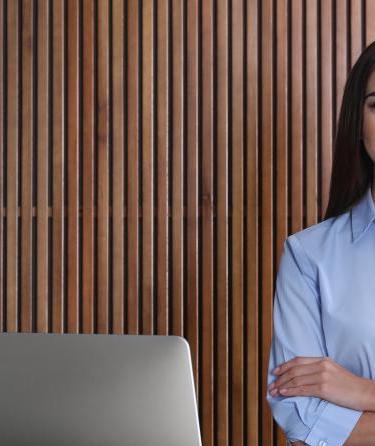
369, 396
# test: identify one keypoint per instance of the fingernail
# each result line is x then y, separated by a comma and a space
277, 369
273, 392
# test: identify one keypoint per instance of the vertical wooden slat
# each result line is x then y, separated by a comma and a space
192, 184
252, 224
162, 166
88, 182
282, 137
12, 165
311, 118
42, 175
370, 23
103, 165
281, 161
2, 148
296, 118
148, 161
28, 40
267, 185
58, 174
132, 174
178, 88
237, 226
326, 119
72, 166
341, 46
207, 193
222, 267
118, 165
253, 292
356, 29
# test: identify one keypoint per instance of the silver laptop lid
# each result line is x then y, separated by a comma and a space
96, 390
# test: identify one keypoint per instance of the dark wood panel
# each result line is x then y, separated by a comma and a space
3, 92
118, 158
311, 115
368, 20
237, 226
148, 168
252, 386
221, 227
12, 151
267, 179
88, 160
162, 175
27, 144
326, 121
131, 184
193, 89
207, 258
103, 174
42, 229
58, 124
72, 165
177, 163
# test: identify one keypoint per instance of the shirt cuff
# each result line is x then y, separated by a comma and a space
333, 426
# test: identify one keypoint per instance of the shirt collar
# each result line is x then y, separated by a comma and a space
362, 213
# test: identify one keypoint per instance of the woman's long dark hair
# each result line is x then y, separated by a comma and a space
352, 167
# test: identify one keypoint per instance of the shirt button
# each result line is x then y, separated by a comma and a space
322, 443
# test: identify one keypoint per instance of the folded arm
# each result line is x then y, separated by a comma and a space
297, 331
363, 433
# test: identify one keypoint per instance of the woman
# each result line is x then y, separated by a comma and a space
324, 302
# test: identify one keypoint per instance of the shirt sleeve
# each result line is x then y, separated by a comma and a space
297, 331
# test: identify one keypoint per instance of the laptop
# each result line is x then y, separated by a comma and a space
96, 390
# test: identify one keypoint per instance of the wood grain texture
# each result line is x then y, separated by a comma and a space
162, 132
154, 156
42, 230
3, 20
3, 112
177, 163
148, 168
12, 154
132, 177
207, 243
72, 165
222, 409
88, 180
326, 100
266, 191
253, 374
58, 171
27, 264
103, 199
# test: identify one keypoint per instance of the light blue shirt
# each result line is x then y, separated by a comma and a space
324, 305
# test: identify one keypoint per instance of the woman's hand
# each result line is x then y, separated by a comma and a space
324, 378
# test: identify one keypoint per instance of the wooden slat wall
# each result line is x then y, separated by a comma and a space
154, 155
